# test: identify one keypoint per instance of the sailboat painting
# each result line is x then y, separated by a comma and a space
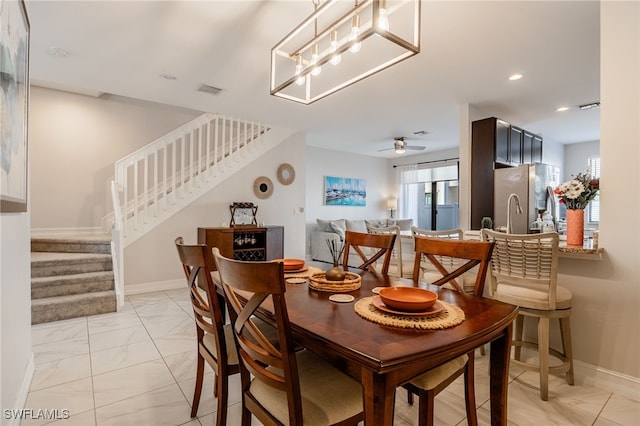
340, 191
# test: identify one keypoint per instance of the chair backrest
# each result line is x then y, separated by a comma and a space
396, 256
469, 253
527, 261
358, 241
247, 285
197, 263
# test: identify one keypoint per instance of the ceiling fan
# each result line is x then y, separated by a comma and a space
400, 146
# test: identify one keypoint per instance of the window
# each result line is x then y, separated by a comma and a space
593, 210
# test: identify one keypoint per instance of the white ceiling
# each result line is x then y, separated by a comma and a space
468, 50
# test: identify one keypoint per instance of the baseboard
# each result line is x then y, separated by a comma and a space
132, 289
21, 398
611, 381
64, 232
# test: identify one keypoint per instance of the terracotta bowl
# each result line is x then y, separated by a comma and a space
292, 264
409, 299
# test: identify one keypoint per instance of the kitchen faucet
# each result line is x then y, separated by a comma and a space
518, 210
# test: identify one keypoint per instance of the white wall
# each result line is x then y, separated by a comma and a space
323, 162
606, 294
576, 156
154, 259
74, 141
16, 363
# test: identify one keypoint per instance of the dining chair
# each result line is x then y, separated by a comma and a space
279, 385
370, 248
524, 272
215, 341
398, 264
471, 254
466, 280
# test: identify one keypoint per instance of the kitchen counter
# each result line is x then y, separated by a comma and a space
587, 251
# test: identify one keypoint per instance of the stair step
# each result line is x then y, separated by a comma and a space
45, 264
72, 306
96, 244
61, 285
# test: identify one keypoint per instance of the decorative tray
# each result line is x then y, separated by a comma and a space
351, 282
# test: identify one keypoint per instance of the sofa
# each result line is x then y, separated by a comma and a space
333, 230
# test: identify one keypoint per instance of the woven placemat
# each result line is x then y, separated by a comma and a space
351, 282
449, 317
301, 277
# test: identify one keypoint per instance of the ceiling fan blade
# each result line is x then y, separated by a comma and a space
386, 149
415, 148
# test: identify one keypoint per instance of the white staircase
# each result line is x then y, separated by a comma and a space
158, 180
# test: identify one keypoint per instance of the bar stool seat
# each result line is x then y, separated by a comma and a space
524, 272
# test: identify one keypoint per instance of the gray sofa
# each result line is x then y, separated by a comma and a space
333, 230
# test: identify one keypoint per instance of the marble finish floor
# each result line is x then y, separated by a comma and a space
137, 367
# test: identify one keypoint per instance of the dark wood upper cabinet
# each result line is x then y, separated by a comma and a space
495, 144
515, 145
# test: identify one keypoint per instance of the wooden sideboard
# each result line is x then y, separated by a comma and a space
245, 242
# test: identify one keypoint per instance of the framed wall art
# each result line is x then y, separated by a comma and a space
340, 191
14, 96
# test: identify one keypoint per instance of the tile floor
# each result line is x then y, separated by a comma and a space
137, 367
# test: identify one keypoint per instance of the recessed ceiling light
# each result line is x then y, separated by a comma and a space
562, 108
513, 77
168, 77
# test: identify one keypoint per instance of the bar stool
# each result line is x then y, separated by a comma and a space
524, 271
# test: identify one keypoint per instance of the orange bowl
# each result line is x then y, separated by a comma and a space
409, 299
292, 264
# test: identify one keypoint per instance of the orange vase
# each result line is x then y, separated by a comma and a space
575, 227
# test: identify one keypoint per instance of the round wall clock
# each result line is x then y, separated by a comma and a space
286, 174
263, 187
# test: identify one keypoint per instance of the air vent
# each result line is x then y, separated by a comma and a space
590, 105
209, 89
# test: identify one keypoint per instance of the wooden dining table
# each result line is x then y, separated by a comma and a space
383, 357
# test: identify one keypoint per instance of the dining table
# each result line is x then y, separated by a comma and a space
383, 357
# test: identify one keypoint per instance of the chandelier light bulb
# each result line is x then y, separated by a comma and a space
383, 17
335, 59
301, 79
355, 32
314, 60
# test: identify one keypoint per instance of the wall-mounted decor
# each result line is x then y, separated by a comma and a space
263, 187
286, 174
340, 191
14, 82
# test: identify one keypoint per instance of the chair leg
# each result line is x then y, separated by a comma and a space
222, 385
543, 354
426, 404
198, 390
517, 336
565, 331
470, 391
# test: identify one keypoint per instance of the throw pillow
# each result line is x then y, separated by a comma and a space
336, 229
404, 224
356, 226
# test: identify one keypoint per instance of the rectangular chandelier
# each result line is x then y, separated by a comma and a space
341, 43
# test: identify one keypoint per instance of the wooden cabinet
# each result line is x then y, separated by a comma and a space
495, 144
246, 242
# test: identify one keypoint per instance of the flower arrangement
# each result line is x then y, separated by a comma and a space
576, 193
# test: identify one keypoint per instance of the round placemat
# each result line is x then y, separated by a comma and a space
351, 282
311, 270
296, 280
449, 317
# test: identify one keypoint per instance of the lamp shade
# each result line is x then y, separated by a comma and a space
392, 203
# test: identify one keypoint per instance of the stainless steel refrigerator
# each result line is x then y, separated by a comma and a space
533, 184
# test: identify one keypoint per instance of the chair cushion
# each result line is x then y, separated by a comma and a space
435, 376
328, 396
532, 297
209, 342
